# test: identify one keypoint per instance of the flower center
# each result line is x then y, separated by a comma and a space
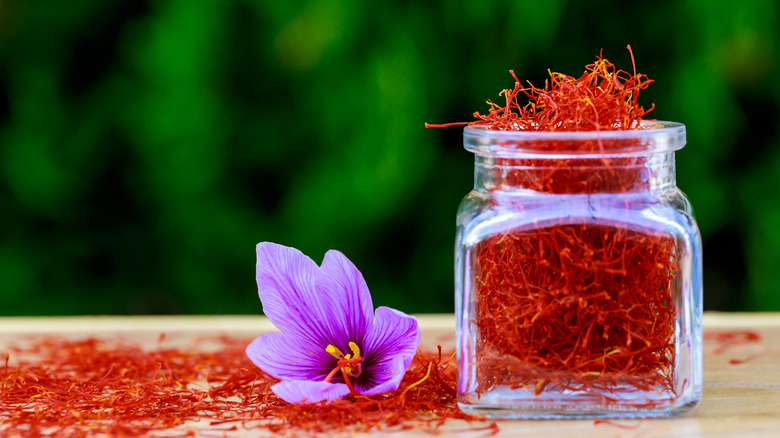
348, 364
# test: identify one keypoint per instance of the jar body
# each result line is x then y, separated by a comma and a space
582, 302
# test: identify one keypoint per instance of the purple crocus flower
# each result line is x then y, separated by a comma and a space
331, 341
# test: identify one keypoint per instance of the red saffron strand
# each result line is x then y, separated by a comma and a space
74, 388
603, 98
598, 421
726, 340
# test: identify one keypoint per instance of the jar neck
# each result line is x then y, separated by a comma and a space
606, 174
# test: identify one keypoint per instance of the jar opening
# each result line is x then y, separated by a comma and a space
653, 137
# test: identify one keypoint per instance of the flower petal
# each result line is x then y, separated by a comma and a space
390, 346
285, 283
341, 284
389, 373
282, 358
305, 391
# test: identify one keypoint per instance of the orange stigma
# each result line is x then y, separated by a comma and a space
347, 364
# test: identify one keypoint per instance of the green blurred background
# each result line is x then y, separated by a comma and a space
147, 146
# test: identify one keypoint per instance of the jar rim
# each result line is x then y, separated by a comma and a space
653, 137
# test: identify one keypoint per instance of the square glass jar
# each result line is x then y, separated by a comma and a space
578, 276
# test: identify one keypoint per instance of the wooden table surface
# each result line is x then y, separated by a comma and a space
741, 383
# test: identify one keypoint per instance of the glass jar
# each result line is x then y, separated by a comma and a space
578, 276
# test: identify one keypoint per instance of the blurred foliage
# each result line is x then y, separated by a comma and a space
147, 146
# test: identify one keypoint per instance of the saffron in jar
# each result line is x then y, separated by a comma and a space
578, 260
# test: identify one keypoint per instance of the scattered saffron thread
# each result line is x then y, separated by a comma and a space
427, 374
598, 421
67, 388
726, 340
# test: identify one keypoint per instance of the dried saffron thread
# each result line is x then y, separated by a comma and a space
67, 388
616, 424
727, 340
603, 98
584, 304
559, 307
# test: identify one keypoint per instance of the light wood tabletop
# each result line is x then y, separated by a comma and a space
741, 379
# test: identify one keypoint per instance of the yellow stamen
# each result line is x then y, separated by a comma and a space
346, 364
348, 368
355, 349
335, 352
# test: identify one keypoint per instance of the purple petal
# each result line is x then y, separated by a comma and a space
275, 354
304, 391
341, 284
285, 283
390, 346
393, 370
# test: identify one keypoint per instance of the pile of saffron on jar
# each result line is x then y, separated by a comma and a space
53, 386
